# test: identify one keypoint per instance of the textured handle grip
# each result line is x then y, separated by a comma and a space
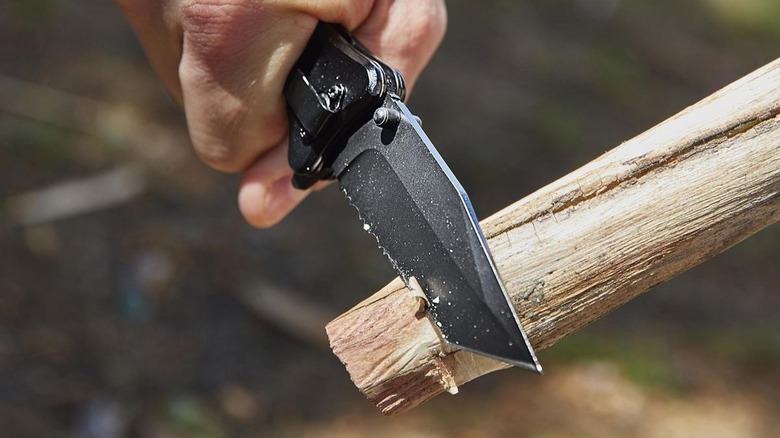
333, 89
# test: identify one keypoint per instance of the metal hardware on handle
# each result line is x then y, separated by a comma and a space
333, 89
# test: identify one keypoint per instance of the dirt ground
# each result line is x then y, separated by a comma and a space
152, 310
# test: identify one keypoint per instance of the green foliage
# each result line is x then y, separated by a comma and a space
756, 17
560, 124
645, 361
35, 143
616, 70
186, 416
754, 349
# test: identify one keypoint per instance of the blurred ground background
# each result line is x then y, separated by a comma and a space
163, 314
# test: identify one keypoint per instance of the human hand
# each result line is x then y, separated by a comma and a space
226, 61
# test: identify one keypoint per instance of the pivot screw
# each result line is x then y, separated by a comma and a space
386, 117
332, 99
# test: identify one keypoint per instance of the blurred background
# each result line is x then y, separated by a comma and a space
134, 301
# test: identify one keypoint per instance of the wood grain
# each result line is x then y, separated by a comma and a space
644, 212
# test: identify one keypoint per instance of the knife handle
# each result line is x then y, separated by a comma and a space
333, 89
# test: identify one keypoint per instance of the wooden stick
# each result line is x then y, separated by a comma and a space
70, 198
575, 250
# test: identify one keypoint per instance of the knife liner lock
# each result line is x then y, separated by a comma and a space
333, 90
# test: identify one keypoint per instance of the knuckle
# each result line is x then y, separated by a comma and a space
193, 75
223, 39
215, 136
228, 130
219, 155
210, 24
208, 12
227, 134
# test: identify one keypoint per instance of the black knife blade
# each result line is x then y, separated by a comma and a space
404, 192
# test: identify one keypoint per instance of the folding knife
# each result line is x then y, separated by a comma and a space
348, 121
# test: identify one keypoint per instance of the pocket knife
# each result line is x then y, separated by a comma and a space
348, 121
